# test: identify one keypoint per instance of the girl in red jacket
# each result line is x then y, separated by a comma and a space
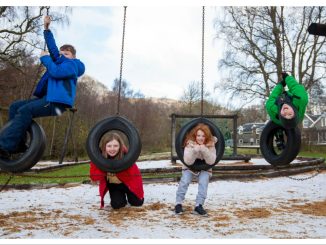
125, 186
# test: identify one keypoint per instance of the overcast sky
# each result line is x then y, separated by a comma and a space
162, 42
162, 53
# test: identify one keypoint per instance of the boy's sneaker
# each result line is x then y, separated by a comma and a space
4, 154
200, 210
178, 209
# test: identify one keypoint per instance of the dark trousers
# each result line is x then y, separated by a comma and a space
120, 193
21, 114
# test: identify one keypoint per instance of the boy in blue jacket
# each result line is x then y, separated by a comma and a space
55, 92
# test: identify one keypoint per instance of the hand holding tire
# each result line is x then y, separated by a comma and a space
284, 76
199, 164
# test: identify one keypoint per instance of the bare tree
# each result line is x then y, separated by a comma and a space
20, 36
20, 30
192, 96
317, 100
254, 62
254, 113
125, 90
17, 83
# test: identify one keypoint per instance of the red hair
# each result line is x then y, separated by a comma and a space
193, 133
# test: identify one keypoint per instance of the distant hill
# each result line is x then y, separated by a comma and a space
166, 101
95, 86
101, 91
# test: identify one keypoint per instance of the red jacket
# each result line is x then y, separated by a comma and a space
131, 177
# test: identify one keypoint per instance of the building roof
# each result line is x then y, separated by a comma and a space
247, 127
315, 118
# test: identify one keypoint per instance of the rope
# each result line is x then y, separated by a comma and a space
40, 65
121, 60
202, 63
283, 39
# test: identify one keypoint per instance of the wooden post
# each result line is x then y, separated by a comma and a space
74, 145
173, 127
1, 120
234, 117
68, 133
53, 134
235, 140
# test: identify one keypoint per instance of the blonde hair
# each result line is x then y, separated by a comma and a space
109, 137
193, 133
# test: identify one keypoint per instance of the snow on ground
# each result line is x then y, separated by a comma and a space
166, 163
262, 208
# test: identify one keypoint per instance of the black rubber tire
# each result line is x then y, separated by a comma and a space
219, 146
31, 156
93, 140
292, 146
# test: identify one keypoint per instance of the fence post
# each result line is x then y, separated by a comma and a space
235, 140
68, 133
1, 120
173, 127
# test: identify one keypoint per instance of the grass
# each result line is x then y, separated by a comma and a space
80, 173
305, 153
312, 154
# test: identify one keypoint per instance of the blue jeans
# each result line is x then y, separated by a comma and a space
186, 178
21, 114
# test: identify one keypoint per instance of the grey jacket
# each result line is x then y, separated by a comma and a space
205, 152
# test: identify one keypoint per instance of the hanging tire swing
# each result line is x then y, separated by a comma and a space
35, 143
179, 142
118, 123
93, 141
34, 140
219, 146
278, 145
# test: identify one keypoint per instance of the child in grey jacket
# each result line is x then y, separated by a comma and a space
199, 144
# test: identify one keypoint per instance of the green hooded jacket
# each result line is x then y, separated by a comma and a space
299, 99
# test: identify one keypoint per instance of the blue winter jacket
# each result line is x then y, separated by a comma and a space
59, 82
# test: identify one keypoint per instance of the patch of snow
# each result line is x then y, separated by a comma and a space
262, 208
165, 163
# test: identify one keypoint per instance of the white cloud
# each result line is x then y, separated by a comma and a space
162, 46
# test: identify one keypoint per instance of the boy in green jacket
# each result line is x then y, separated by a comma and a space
287, 108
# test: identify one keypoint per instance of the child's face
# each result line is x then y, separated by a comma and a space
287, 111
112, 148
67, 54
200, 137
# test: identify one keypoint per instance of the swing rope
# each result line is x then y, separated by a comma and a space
121, 60
40, 65
202, 63
283, 39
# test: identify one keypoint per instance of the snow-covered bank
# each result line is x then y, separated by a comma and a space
164, 163
264, 208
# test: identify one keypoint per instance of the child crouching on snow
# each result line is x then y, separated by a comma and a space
125, 186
